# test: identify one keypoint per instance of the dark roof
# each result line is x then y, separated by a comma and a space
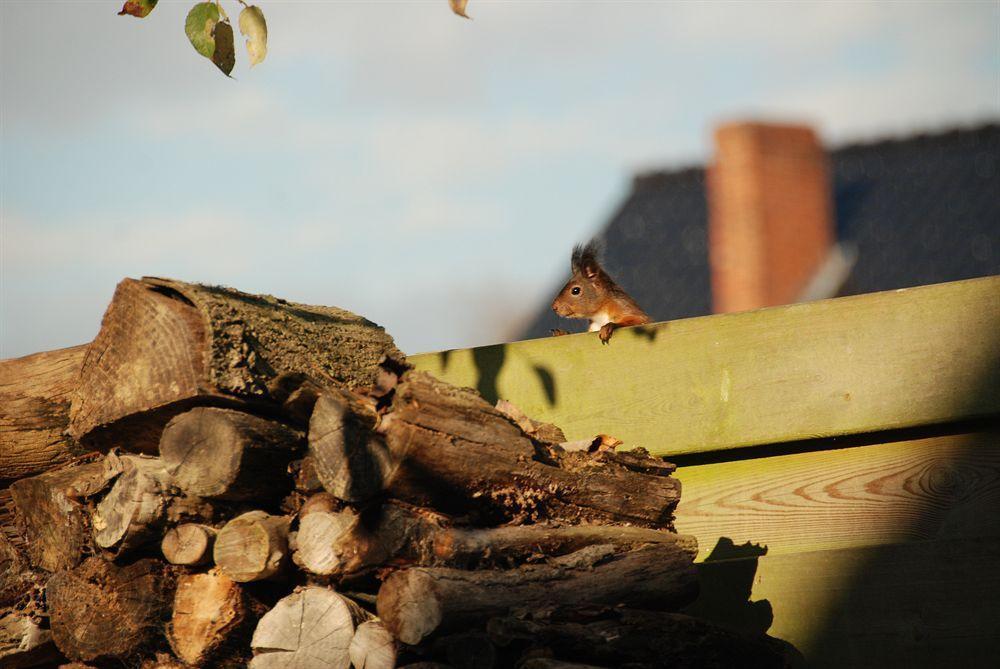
917, 210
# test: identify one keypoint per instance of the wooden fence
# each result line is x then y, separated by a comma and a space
840, 459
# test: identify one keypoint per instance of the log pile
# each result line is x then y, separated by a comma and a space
242, 481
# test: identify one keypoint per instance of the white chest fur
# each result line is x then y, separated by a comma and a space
598, 321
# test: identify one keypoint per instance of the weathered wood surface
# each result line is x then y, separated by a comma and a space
920, 604
134, 509
226, 454
310, 629
207, 609
49, 508
165, 345
849, 365
373, 646
24, 642
344, 542
252, 546
98, 610
936, 487
451, 450
35, 393
188, 544
415, 603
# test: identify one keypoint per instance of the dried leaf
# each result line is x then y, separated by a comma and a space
458, 6
138, 8
200, 27
254, 28
224, 56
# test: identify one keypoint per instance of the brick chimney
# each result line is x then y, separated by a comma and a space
770, 214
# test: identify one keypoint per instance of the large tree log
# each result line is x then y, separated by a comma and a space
188, 544
420, 601
166, 345
373, 647
310, 629
252, 547
50, 511
344, 542
652, 639
34, 411
449, 449
98, 610
226, 454
208, 608
134, 509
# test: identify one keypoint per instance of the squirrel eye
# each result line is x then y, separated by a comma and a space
576, 290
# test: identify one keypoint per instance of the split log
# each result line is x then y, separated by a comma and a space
165, 346
133, 510
98, 610
450, 450
208, 608
49, 509
310, 629
344, 542
34, 411
652, 639
24, 642
188, 544
226, 454
349, 457
373, 647
252, 547
417, 602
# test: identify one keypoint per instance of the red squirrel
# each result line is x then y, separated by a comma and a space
594, 295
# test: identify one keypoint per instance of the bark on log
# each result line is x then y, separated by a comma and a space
98, 610
310, 629
373, 647
417, 602
226, 454
35, 396
15, 575
349, 457
165, 346
208, 608
134, 509
24, 642
188, 544
49, 509
346, 543
252, 547
651, 639
450, 450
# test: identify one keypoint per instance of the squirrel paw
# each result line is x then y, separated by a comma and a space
606, 331
558, 333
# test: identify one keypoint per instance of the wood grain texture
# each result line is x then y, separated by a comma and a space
922, 604
938, 487
858, 364
35, 393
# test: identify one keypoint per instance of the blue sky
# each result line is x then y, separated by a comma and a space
428, 172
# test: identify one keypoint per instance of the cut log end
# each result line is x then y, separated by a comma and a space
252, 547
188, 544
409, 605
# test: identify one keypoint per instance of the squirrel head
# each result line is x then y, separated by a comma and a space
586, 290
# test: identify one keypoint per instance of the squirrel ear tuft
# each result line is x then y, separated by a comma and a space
584, 260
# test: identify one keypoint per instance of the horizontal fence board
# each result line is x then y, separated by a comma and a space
945, 486
923, 604
850, 365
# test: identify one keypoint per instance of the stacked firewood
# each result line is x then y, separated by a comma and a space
232, 480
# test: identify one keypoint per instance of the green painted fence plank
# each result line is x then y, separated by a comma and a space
880, 361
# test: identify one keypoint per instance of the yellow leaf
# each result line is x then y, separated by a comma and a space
254, 28
458, 6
